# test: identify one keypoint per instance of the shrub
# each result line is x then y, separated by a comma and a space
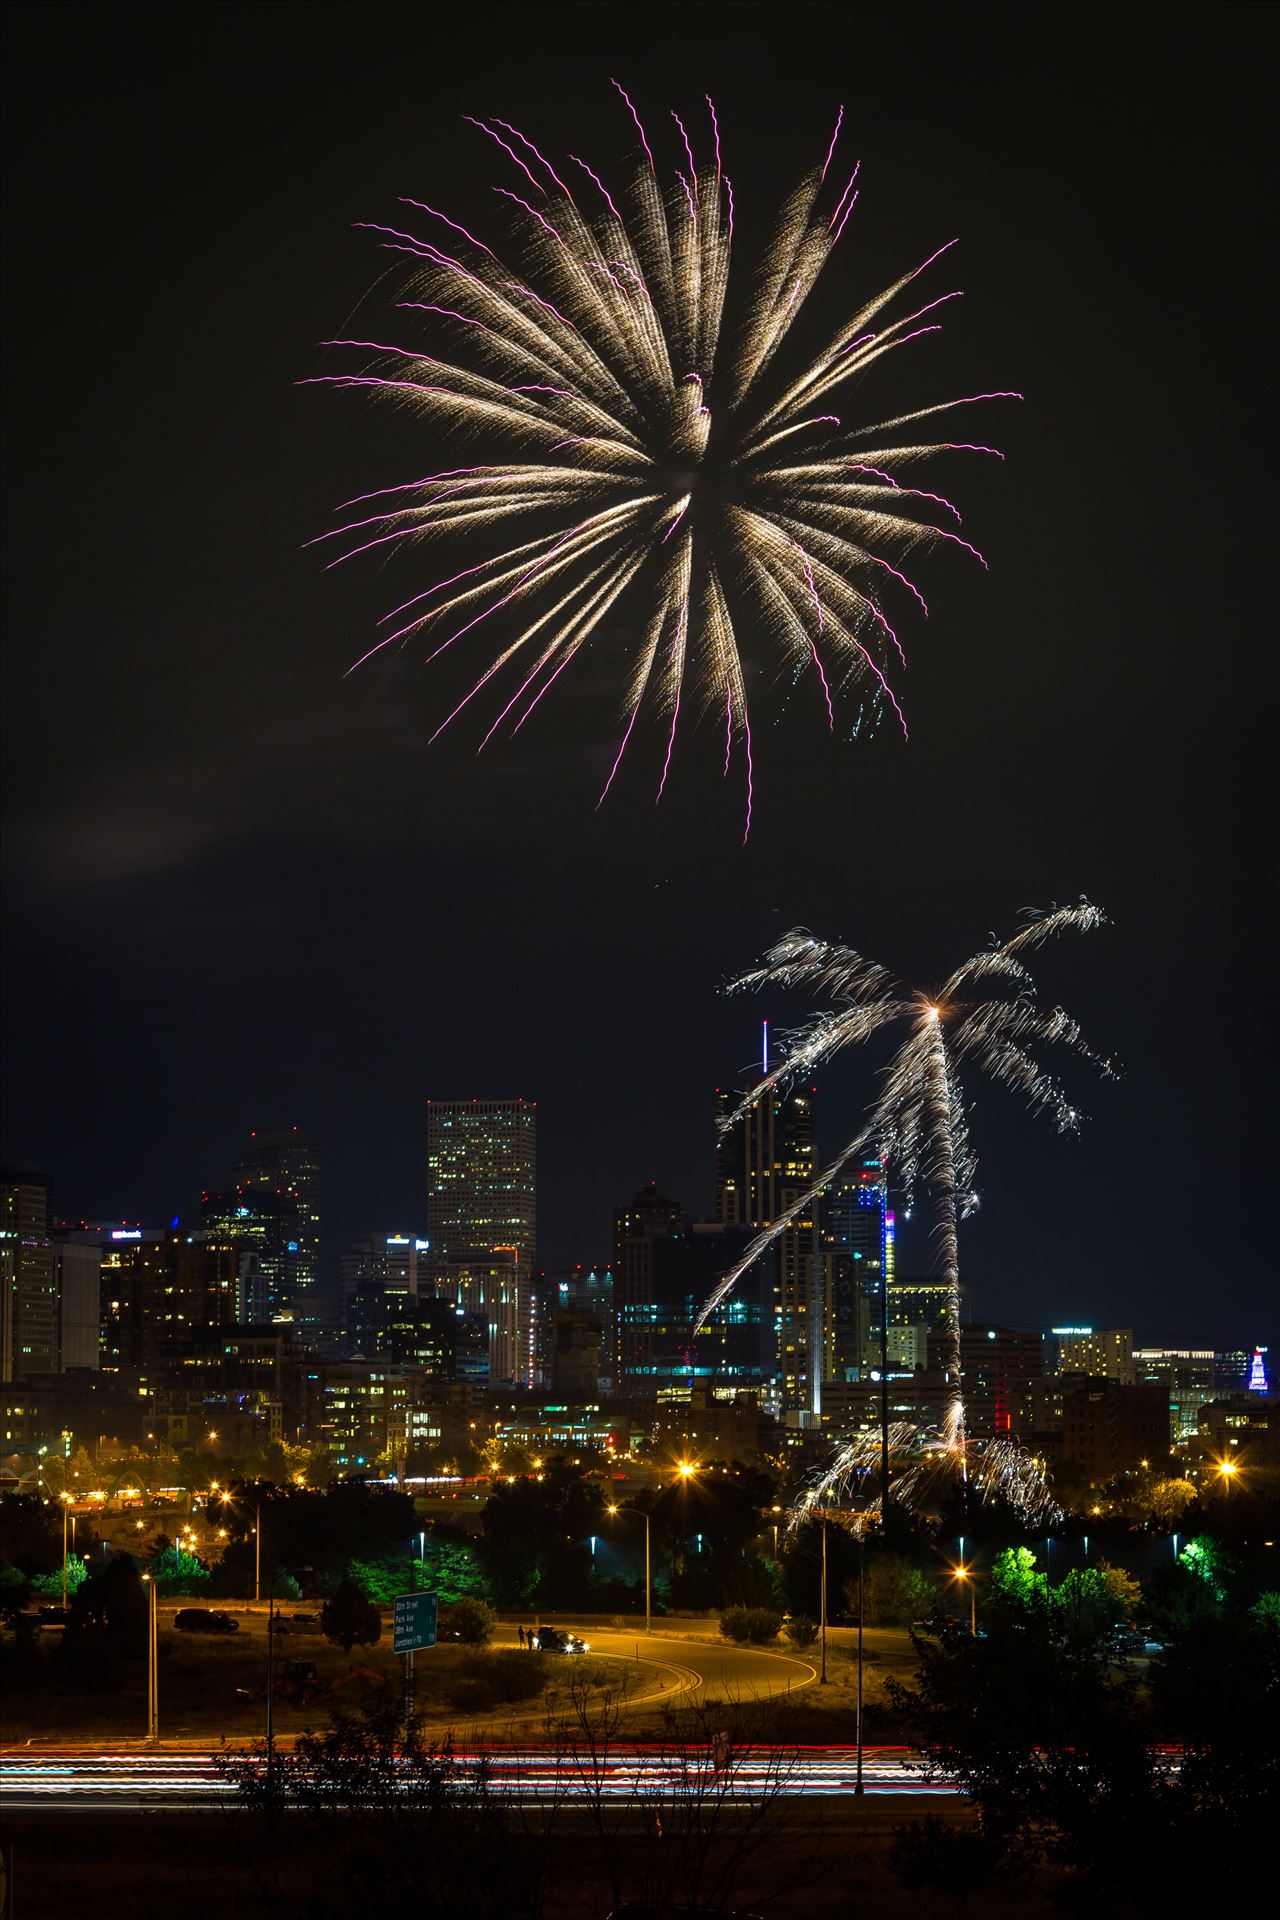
800, 1630
471, 1621
754, 1626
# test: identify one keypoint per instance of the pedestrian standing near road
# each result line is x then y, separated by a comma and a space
520, 1635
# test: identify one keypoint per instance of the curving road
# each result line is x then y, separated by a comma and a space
693, 1672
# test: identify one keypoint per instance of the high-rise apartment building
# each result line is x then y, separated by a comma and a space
1104, 1353
481, 1203
29, 1307
275, 1207
764, 1162
160, 1285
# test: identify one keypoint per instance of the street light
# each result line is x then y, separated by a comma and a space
962, 1574
822, 1678
66, 1499
648, 1593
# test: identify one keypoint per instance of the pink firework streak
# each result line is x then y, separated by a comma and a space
437, 215
539, 157
534, 183
715, 131
813, 644
532, 211
636, 117
693, 165
593, 175
448, 313
832, 148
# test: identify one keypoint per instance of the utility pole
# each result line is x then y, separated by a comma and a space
884, 1392
153, 1664
824, 1601
858, 1783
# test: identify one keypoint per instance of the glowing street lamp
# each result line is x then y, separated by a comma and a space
963, 1575
1228, 1470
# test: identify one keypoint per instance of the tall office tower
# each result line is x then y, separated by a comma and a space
763, 1163
276, 1204
481, 1198
29, 1312
636, 1226
856, 1229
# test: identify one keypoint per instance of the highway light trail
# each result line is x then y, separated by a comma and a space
89, 1780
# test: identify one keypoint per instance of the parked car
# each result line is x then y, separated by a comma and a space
1128, 1640
556, 1640
204, 1620
305, 1620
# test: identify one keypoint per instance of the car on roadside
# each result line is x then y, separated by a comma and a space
304, 1620
556, 1640
204, 1620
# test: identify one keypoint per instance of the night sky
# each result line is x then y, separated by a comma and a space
243, 891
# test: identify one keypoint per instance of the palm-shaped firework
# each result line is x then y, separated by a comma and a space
984, 1017
662, 439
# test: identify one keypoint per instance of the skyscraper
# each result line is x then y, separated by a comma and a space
274, 1208
763, 1163
29, 1307
481, 1201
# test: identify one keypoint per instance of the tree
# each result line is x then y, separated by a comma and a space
801, 1631
348, 1619
1170, 1500
30, 1533
536, 1534
895, 1591
174, 1570
1067, 1768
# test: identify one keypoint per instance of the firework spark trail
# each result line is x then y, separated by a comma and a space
923, 1478
985, 1017
592, 353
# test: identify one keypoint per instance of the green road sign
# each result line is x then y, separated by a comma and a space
413, 1621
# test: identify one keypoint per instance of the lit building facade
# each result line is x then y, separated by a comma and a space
482, 1165
1106, 1353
